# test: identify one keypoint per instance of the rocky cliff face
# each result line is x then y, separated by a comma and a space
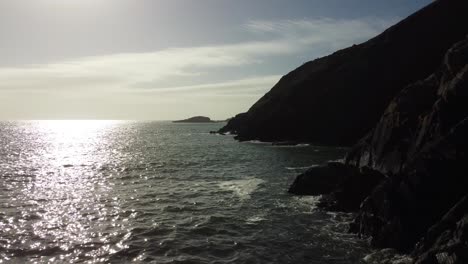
403, 96
407, 178
421, 143
336, 99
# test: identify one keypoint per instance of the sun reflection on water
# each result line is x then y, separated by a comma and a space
66, 201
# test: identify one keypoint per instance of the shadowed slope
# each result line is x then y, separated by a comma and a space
336, 99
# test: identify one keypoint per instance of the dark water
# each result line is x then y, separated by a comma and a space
95, 191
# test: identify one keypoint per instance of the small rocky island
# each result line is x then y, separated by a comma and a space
195, 119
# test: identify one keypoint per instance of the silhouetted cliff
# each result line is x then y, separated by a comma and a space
421, 144
403, 96
407, 178
336, 99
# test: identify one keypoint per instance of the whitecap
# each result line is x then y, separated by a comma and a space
242, 188
338, 160
306, 203
258, 142
300, 145
302, 168
255, 219
387, 256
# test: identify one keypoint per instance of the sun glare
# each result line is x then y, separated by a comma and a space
67, 155
69, 140
74, 128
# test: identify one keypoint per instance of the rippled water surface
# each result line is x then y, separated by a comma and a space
111, 191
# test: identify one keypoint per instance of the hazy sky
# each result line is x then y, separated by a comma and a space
168, 59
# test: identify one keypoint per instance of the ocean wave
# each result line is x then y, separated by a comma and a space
338, 160
302, 167
387, 255
242, 188
306, 203
146, 194
255, 219
258, 142
301, 145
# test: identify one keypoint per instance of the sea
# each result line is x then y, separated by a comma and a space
159, 192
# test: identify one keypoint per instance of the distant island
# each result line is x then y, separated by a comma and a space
195, 119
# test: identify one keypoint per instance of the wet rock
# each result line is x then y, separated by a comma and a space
348, 195
322, 179
344, 187
421, 144
446, 241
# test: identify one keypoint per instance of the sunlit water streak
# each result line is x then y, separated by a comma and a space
111, 191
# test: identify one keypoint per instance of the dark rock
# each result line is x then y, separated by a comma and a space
408, 175
322, 179
336, 99
421, 143
195, 119
445, 242
344, 187
348, 195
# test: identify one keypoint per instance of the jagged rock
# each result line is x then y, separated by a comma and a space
344, 187
348, 195
421, 143
446, 241
336, 99
322, 179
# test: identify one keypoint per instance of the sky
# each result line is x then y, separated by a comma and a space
168, 59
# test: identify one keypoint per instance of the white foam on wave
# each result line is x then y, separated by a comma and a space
302, 168
242, 188
338, 160
306, 203
301, 145
387, 256
258, 142
255, 219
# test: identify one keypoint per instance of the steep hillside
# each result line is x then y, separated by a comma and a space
336, 99
421, 144
407, 178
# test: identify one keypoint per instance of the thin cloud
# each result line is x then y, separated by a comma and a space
129, 69
126, 70
252, 86
199, 72
334, 33
325, 27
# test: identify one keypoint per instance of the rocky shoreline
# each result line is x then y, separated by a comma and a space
407, 176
